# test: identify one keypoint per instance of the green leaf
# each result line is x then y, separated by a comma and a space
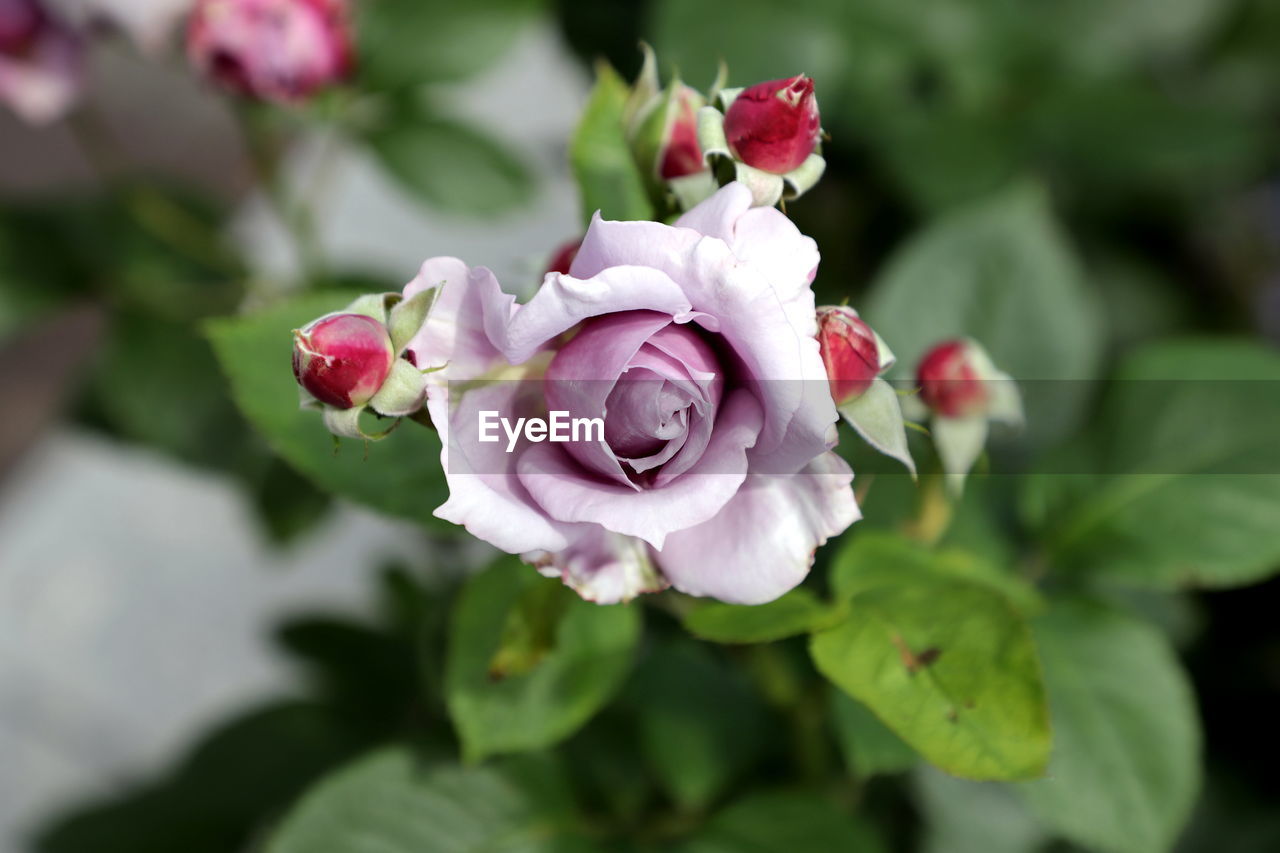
784, 822
797, 612
1188, 434
608, 178
700, 723
947, 663
974, 817
450, 165
409, 42
869, 746
401, 476
390, 803
1126, 763
554, 690
1001, 272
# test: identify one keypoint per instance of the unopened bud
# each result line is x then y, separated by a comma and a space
851, 352
41, 62
952, 379
343, 359
277, 50
20, 21
774, 126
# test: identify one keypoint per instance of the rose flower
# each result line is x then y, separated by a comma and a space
695, 344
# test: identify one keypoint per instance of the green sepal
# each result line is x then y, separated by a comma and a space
403, 391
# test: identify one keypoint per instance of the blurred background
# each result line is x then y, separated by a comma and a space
161, 568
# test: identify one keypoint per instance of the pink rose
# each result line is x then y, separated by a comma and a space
695, 345
276, 50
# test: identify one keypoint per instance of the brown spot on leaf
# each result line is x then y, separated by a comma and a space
911, 660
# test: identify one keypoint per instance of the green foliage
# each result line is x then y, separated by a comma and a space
784, 822
797, 612
216, 797
1192, 484
1002, 272
700, 723
401, 475
607, 175
572, 657
974, 817
390, 802
450, 165
409, 43
869, 746
948, 664
1126, 762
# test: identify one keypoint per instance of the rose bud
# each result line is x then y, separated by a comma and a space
20, 21
276, 50
680, 154
41, 62
951, 380
343, 359
851, 352
774, 126
564, 255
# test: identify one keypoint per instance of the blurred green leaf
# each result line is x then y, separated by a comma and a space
1106, 36
215, 800
552, 696
450, 165
946, 663
1192, 489
401, 476
700, 723
974, 817
784, 822
409, 42
797, 612
608, 179
157, 382
1003, 273
389, 802
1126, 760
869, 746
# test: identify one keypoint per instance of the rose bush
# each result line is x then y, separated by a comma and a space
716, 474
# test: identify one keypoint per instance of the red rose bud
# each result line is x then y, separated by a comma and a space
563, 258
681, 154
276, 50
951, 383
20, 22
774, 126
850, 352
343, 359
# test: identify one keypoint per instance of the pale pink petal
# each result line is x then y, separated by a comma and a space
567, 493
603, 567
762, 542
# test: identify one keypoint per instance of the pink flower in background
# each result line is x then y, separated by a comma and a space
681, 155
41, 62
695, 344
276, 50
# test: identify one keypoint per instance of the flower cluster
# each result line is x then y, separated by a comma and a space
709, 382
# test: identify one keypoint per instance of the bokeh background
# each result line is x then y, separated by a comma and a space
152, 548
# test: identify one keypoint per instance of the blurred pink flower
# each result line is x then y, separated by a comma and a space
41, 62
276, 50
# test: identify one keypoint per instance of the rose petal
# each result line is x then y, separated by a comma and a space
568, 493
601, 566
761, 544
